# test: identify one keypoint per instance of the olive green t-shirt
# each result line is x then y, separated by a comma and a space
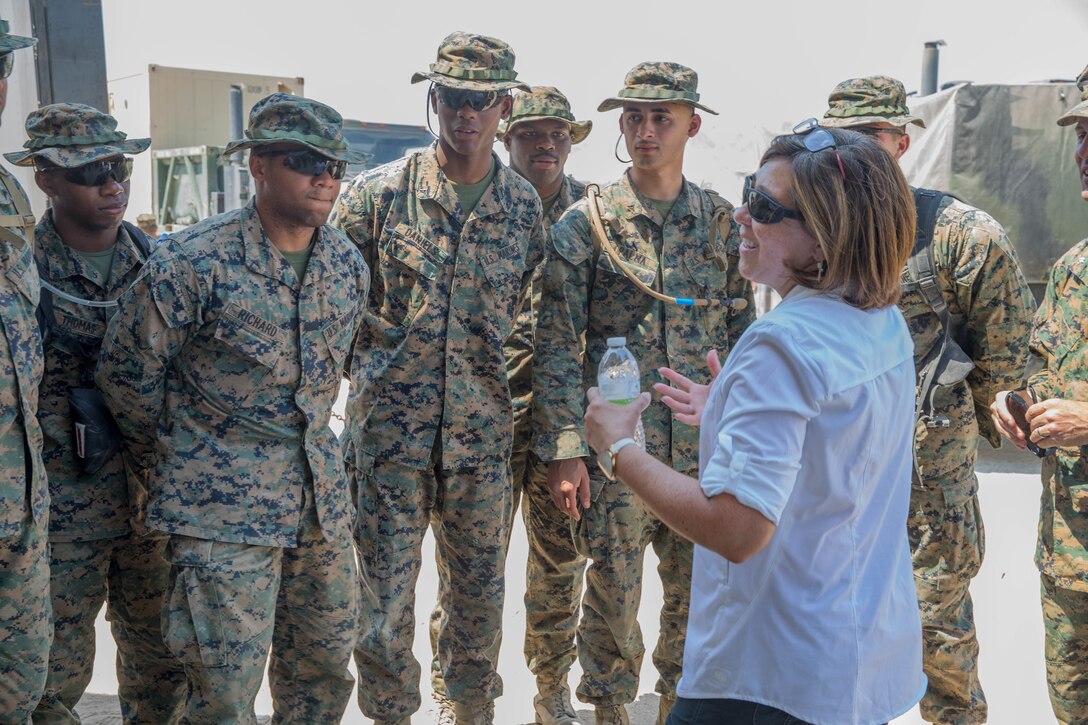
101, 261
663, 207
549, 202
469, 194
299, 260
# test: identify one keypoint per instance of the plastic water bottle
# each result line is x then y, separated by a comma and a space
618, 379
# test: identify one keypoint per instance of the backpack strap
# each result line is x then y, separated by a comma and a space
945, 363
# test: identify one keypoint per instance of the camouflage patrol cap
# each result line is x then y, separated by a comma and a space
473, 63
1080, 110
285, 118
72, 134
648, 82
544, 103
10, 42
865, 101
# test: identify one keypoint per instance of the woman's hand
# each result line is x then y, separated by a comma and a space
607, 422
684, 397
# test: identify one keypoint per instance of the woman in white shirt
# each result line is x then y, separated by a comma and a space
802, 606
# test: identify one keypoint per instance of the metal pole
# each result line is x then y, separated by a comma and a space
930, 58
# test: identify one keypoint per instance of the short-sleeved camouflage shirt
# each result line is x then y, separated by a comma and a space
82, 507
1059, 341
22, 474
989, 307
585, 293
221, 368
429, 371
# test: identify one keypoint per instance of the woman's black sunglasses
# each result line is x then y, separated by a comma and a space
763, 207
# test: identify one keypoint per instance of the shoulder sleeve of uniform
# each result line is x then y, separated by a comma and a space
968, 240
173, 285
570, 235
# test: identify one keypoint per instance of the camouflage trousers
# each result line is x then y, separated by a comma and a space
613, 534
553, 579
25, 620
1065, 619
230, 603
468, 511
947, 542
131, 576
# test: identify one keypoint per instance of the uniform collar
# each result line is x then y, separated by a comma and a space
262, 260
60, 262
434, 185
635, 204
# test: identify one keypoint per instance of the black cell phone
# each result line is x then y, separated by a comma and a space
1018, 407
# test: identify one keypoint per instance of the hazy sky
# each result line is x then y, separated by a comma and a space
762, 65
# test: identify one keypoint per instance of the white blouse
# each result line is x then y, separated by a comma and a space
810, 423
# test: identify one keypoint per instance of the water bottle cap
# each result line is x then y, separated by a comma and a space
617, 342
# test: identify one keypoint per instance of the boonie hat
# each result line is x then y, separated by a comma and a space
1081, 109
544, 103
10, 42
658, 81
473, 63
69, 135
286, 118
865, 101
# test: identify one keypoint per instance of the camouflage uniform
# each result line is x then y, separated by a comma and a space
221, 367
1059, 344
429, 417
25, 626
92, 551
989, 307
585, 293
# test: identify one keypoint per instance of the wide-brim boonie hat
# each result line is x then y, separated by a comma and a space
10, 42
69, 135
473, 63
282, 118
544, 103
865, 101
658, 81
1080, 110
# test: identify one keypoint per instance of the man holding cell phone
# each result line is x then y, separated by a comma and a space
1055, 419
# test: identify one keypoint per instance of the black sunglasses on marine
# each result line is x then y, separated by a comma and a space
457, 98
7, 62
763, 207
96, 173
309, 163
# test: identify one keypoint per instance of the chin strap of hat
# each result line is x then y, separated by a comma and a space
603, 244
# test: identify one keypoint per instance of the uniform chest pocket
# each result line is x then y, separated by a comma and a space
504, 270
705, 271
407, 270
247, 363
610, 266
337, 337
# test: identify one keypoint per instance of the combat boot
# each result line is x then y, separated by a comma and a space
552, 705
474, 714
664, 707
612, 715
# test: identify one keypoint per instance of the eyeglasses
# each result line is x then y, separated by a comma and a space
457, 98
310, 163
96, 173
7, 62
817, 139
763, 207
874, 130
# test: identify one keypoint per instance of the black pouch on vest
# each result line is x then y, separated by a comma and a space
97, 437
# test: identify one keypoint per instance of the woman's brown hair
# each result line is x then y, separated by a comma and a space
861, 213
